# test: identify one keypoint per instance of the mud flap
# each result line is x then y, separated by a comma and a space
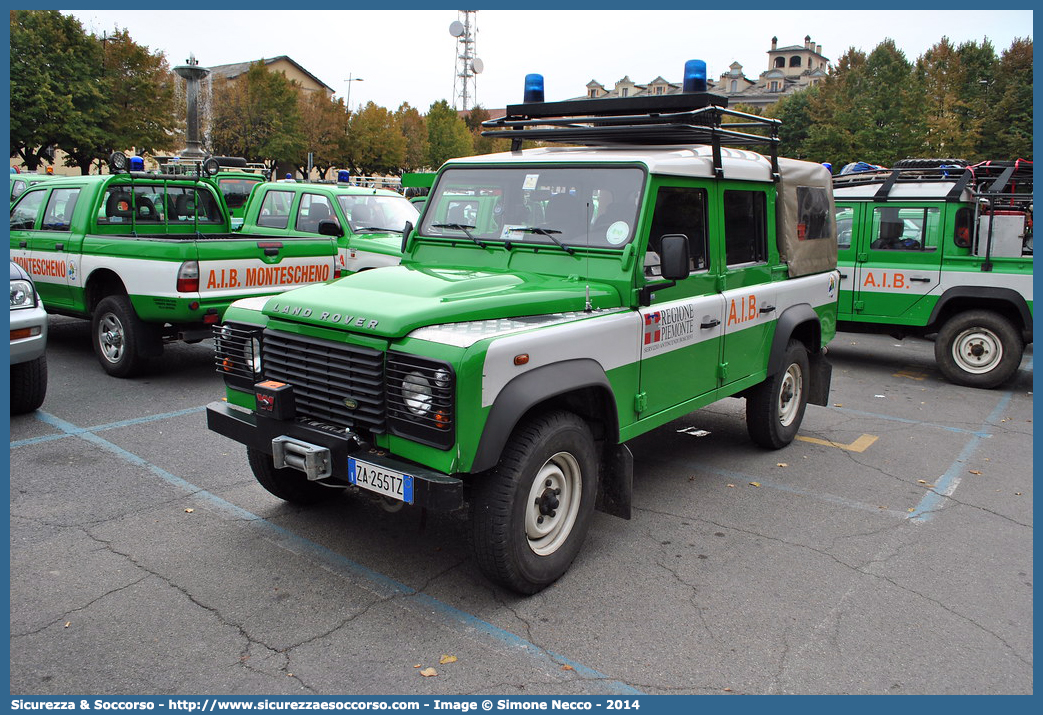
617, 481
821, 374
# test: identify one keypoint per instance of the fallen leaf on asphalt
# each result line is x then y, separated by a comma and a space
975, 471
447, 659
67, 624
781, 464
755, 484
727, 690
910, 510
429, 672
920, 481
1017, 494
189, 510
567, 667
731, 486
837, 404
418, 666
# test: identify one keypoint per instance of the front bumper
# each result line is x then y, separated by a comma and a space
431, 489
26, 349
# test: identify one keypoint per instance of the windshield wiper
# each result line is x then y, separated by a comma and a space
460, 227
378, 229
549, 233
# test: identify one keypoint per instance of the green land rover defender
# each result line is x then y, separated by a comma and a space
552, 304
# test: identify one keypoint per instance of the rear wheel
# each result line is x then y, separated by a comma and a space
122, 341
288, 484
775, 408
978, 348
531, 513
28, 385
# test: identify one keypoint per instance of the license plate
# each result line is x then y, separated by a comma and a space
381, 480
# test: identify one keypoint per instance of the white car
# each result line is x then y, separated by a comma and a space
28, 343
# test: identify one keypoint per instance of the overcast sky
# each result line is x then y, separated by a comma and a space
410, 56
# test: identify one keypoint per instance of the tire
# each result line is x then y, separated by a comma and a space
775, 408
978, 348
122, 341
286, 483
928, 163
530, 514
28, 385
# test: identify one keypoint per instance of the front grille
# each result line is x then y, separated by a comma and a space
332, 382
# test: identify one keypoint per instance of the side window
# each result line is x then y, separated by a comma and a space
18, 186
116, 206
148, 204
275, 209
24, 213
962, 231
812, 213
236, 191
745, 227
679, 211
58, 215
845, 225
313, 208
905, 229
186, 205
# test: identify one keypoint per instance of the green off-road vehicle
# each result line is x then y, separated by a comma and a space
552, 304
936, 247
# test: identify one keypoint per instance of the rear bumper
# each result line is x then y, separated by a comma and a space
431, 489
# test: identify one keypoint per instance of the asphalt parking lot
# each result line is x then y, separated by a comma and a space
888, 550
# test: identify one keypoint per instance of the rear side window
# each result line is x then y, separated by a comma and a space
186, 204
58, 215
745, 227
812, 213
24, 213
275, 209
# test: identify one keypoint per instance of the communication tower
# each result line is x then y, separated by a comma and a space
468, 66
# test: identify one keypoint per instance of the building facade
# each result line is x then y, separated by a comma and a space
790, 69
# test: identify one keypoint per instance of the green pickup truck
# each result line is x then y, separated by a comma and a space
366, 223
149, 258
937, 248
551, 305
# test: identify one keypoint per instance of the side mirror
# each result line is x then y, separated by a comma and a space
329, 227
406, 230
673, 251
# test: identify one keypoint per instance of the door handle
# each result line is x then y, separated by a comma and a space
843, 276
271, 251
768, 309
59, 246
23, 244
920, 280
709, 322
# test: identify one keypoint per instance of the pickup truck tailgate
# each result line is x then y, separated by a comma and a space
257, 265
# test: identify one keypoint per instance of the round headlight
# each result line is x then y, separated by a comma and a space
255, 355
417, 393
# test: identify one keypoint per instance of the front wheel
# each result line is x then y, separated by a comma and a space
978, 348
288, 484
775, 408
531, 513
121, 339
28, 385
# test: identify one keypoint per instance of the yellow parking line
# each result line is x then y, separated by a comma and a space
859, 445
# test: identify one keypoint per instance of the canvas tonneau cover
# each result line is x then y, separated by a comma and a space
805, 217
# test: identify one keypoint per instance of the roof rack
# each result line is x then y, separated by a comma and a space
687, 118
988, 179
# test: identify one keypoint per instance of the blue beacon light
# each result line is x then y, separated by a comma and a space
343, 176
694, 76
137, 163
533, 88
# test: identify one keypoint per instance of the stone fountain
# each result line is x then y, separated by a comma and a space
192, 74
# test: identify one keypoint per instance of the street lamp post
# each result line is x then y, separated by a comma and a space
349, 80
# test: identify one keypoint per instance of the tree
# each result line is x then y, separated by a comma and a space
414, 128
324, 123
794, 111
375, 142
256, 116
447, 134
140, 89
1007, 128
57, 99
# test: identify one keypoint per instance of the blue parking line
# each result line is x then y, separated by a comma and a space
944, 487
73, 431
377, 583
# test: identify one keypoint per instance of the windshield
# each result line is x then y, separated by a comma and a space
370, 213
569, 206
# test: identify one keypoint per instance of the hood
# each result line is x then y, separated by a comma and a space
391, 302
